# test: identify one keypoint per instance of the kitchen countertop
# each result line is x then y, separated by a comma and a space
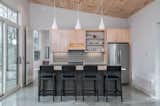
87, 63
58, 65
101, 66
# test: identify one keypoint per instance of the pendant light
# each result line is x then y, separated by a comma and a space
54, 24
101, 25
78, 24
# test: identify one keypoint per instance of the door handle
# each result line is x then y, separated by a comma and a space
18, 60
27, 62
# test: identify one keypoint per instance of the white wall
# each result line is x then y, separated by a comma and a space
22, 6
41, 17
145, 47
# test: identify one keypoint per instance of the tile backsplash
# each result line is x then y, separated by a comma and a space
78, 57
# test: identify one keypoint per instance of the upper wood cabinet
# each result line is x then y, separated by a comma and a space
62, 38
118, 35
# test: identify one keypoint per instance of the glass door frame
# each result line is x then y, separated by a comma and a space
2, 37
10, 24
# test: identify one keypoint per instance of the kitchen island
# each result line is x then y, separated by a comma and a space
102, 69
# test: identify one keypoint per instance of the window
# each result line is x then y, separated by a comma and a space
8, 13
36, 37
3, 11
12, 16
12, 44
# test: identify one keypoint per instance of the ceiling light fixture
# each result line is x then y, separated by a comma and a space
101, 25
54, 24
78, 24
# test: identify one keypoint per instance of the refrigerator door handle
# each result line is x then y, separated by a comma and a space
120, 56
116, 57
115, 60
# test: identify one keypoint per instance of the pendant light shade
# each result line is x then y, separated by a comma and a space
101, 25
54, 24
78, 24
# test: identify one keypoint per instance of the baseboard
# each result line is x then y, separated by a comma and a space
9, 93
143, 85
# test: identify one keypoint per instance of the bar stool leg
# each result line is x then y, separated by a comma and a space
106, 89
121, 91
83, 89
42, 87
53, 87
116, 89
62, 89
75, 89
63, 93
104, 86
97, 90
39, 89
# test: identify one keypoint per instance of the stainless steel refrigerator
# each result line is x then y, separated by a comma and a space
118, 54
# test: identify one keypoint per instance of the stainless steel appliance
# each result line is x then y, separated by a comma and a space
118, 54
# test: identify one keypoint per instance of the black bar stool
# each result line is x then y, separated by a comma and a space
113, 73
90, 73
68, 74
46, 73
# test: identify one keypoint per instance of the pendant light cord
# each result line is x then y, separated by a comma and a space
78, 25
101, 8
77, 9
54, 7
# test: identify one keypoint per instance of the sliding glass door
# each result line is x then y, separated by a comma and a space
1, 58
8, 49
12, 55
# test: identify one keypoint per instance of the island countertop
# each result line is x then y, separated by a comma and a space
58, 65
102, 66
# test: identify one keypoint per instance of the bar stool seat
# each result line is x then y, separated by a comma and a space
69, 77
92, 77
113, 77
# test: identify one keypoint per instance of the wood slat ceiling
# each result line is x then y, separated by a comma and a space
115, 8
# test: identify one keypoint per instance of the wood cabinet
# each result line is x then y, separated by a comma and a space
62, 38
118, 35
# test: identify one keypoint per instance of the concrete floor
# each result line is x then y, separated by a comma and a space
28, 97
